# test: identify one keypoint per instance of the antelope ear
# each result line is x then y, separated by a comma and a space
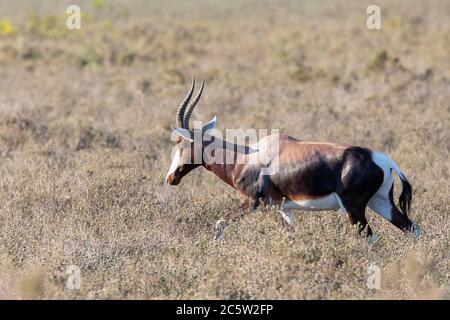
184, 133
210, 125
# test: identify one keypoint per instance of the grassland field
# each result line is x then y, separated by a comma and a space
85, 145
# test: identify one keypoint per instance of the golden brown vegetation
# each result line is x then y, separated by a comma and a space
85, 145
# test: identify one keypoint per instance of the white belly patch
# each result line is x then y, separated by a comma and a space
328, 202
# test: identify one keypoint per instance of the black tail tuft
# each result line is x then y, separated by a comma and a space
405, 197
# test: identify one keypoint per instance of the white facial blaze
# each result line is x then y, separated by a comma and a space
175, 163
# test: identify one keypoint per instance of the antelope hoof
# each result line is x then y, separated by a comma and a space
416, 230
372, 239
220, 228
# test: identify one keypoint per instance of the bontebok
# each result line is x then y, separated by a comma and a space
308, 175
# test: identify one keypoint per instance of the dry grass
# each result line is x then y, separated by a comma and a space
84, 146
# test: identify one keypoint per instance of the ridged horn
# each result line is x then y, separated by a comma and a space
181, 109
190, 109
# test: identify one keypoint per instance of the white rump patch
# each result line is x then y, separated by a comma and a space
384, 162
175, 163
328, 202
380, 202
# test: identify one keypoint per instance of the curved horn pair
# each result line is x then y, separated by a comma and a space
183, 115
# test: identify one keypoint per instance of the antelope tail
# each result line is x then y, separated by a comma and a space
405, 198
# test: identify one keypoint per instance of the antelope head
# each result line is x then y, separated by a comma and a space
189, 155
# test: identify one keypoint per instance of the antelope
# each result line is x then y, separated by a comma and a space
310, 175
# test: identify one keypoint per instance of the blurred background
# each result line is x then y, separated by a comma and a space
85, 145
